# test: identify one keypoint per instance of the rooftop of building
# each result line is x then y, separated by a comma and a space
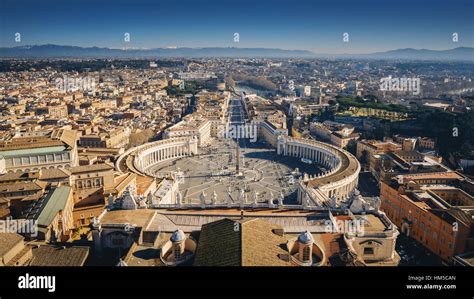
143, 183
33, 149
20, 143
140, 217
8, 241
45, 209
18, 176
466, 258
55, 173
58, 256
455, 214
254, 243
452, 175
21, 186
349, 165
91, 168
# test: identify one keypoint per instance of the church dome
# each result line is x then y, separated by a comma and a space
178, 236
305, 238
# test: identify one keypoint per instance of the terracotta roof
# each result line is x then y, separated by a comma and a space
8, 241
248, 242
50, 256
4, 213
140, 218
69, 137
17, 176
23, 186
432, 176
29, 142
91, 168
143, 183
338, 253
454, 215
55, 173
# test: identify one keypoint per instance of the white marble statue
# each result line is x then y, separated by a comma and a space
377, 204
280, 199
111, 201
229, 198
241, 198
305, 200
132, 189
270, 200
214, 198
179, 198
255, 197
129, 200
202, 198
333, 202
358, 203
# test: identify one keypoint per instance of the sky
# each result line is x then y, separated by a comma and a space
287, 24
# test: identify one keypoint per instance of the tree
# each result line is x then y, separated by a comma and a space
140, 137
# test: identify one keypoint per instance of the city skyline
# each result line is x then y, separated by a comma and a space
282, 24
285, 140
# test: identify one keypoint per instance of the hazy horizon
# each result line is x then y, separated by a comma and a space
316, 26
228, 47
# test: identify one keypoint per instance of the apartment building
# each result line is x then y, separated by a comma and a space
433, 209
116, 138
32, 153
91, 184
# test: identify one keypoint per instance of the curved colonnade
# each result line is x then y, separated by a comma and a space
329, 188
139, 159
338, 181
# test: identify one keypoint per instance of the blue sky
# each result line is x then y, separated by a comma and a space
310, 25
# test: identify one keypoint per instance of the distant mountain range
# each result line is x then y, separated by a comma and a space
72, 51
460, 53
56, 51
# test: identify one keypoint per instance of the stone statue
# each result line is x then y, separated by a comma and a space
356, 192
149, 198
305, 200
111, 201
358, 204
214, 198
377, 204
131, 189
333, 202
229, 198
280, 199
241, 198
202, 198
179, 198
128, 200
141, 201
255, 197
270, 200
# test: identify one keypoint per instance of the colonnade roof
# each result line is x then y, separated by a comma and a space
349, 164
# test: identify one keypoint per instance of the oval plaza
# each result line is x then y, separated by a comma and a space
288, 200
333, 180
